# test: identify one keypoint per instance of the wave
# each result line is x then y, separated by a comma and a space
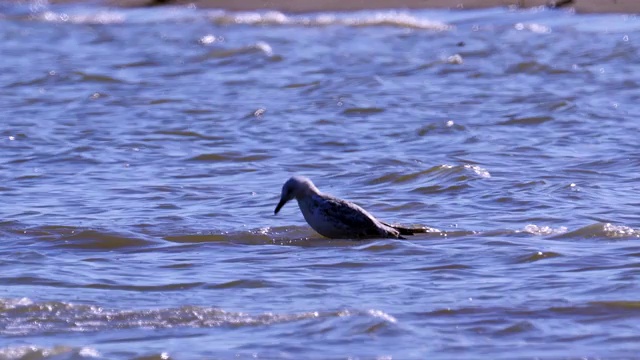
587, 309
63, 236
287, 235
440, 174
601, 231
93, 18
357, 19
105, 16
304, 236
33, 352
16, 317
79, 238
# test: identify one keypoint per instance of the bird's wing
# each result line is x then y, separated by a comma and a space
350, 216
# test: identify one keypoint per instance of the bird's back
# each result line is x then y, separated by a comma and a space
336, 218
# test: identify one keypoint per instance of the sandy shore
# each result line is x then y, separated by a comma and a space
582, 6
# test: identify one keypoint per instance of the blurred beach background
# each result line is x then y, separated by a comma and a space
144, 146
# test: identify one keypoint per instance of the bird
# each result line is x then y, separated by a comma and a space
336, 218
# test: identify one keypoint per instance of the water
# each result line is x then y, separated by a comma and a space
143, 152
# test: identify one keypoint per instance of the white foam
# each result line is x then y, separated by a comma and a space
543, 230
386, 18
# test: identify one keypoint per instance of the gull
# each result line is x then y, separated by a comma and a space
336, 218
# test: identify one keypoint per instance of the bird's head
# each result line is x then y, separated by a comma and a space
295, 187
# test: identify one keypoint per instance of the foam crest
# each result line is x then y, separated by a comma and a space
100, 17
388, 18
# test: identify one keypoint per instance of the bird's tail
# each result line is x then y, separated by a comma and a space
403, 230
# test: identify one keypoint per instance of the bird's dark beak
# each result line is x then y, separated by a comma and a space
280, 205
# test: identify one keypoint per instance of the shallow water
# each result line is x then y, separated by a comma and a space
143, 152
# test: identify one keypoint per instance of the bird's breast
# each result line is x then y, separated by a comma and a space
310, 208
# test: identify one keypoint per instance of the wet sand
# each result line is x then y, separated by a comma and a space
582, 6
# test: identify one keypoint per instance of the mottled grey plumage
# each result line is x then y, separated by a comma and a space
336, 218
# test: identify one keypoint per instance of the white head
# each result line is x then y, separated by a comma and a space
294, 188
